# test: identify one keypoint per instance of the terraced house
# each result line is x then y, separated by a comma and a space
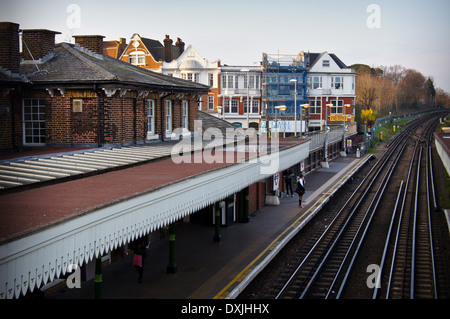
74, 95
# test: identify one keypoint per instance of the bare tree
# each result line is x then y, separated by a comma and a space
394, 73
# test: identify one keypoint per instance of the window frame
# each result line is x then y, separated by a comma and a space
151, 129
185, 114
138, 55
34, 121
315, 107
168, 116
337, 85
337, 105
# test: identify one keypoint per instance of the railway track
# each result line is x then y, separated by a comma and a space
394, 203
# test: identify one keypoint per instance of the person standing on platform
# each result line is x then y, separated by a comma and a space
300, 189
287, 175
139, 257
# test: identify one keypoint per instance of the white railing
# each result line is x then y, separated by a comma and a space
334, 134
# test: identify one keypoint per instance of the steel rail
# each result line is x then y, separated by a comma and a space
379, 166
397, 238
350, 217
386, 245
433, 266
414, 233
381, 162
378, 198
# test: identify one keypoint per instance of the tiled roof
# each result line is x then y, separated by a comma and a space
71, 64
156, 49
7, 76
314, 57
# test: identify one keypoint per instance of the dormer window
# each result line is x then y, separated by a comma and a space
136, 58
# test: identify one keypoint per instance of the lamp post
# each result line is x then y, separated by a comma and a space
301, 114
281, 108
325, 146
345, 128
295, 109
321, 109
248, 104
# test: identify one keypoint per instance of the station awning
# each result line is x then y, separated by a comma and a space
45, 230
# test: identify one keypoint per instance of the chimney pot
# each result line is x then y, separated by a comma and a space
180, 45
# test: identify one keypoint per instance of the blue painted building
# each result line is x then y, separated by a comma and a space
284, 82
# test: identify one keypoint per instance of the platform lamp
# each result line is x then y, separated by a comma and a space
295, 109
345, 128
301, 123
327, 129
281, 108
345, 118
248, 96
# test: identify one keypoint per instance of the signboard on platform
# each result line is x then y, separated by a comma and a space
349, 144
276, 181
341, 118
283, 126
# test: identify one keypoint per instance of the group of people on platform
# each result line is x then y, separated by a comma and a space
300, 189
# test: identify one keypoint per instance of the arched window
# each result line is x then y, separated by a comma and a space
136, 58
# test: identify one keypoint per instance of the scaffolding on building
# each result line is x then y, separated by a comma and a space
280, 76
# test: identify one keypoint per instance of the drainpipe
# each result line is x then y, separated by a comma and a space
13, 121
99, 117
134, 120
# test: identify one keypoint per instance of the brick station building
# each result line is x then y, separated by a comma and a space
73, 95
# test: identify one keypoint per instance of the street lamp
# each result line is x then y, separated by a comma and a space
295, 109
281, 108
301, 114
326, 115
321, 104
344, 144
345, 113
248, 104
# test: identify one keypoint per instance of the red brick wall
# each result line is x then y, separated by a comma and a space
57, 110
39, 43
94, 43
84, 124
257, 196
123, 119
9, 46
6, 124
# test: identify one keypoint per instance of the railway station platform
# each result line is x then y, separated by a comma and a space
217, 270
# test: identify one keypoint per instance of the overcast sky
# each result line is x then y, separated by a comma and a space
414, 34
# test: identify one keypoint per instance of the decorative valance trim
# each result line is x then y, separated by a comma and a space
41, 257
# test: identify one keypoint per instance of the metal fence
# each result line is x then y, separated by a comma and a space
334, 134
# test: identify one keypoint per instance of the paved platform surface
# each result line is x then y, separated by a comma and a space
217, 270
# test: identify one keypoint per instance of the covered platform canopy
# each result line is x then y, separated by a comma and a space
45, 229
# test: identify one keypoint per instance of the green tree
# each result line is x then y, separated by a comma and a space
430, 91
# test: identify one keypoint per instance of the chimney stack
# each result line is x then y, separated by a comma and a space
180, 45
93, 43
38, 43
168, 49
122, 46
9, 46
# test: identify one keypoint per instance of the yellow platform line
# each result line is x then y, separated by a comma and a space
224, 292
